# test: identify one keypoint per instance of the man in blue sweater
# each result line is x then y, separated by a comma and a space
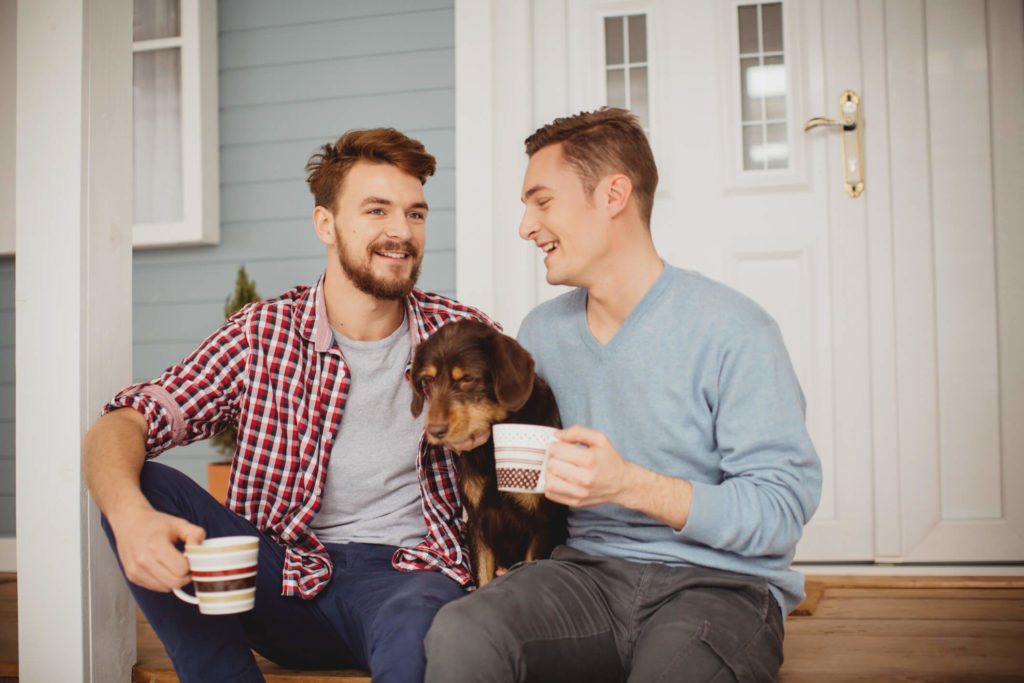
688, 469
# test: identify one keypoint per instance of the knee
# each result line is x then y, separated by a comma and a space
465, 638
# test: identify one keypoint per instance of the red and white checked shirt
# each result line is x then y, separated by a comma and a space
274, 372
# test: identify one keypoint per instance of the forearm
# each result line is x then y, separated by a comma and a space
113, 452
659, 496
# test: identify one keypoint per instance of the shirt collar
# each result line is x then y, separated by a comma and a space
315, 327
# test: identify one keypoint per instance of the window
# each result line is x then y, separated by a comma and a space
763, 87
174, 48
625, 58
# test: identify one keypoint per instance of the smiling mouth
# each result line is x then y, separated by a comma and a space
549, 247
396, 255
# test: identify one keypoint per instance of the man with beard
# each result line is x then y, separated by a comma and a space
356, 517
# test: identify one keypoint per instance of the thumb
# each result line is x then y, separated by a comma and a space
188, 532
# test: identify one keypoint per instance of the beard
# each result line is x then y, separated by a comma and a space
362, 276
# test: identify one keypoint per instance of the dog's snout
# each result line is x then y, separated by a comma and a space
438, 429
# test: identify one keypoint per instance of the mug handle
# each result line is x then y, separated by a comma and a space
182, 595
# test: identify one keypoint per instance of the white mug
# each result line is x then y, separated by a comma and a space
224, 574
521, 453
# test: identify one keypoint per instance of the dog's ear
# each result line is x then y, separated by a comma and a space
416, 383
513, 372
417, 397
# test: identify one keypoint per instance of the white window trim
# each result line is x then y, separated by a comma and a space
586, 57
200, 173
735, 178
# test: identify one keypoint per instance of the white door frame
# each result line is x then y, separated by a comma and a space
76, 620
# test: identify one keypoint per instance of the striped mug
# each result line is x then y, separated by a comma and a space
521, 455
223, 573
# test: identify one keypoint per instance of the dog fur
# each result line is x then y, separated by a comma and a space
471, 376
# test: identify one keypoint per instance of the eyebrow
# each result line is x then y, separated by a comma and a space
388, 202
532, 191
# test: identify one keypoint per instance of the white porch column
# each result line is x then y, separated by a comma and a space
73, 317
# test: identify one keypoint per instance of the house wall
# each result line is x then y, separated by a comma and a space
292, 76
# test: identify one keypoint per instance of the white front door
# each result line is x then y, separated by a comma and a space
899, 324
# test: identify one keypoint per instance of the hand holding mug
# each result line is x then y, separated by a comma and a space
585, 469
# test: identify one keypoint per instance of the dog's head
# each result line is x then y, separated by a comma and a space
471, 376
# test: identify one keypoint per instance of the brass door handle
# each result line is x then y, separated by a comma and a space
849, 123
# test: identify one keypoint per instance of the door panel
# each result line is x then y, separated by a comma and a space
901, 308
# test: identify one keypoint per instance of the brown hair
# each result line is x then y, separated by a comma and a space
601, 142
329, 166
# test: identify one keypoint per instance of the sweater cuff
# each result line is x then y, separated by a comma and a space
708, 508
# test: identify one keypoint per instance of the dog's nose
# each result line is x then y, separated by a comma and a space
438, 430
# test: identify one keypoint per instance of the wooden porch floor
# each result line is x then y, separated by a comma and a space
849, 629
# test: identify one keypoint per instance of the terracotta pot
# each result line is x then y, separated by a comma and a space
217, 480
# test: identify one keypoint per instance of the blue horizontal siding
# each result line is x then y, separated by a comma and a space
294, 76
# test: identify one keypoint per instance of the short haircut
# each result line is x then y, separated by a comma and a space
602, 142
329, 166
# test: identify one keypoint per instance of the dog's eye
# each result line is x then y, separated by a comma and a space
426, 382
466, 382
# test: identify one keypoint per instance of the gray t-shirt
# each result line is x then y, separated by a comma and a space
372, 493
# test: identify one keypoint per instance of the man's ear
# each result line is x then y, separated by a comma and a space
618, 193
323, 221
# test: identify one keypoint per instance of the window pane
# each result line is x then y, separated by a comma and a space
748, 29
157, 102
638, 38
774, 88
776, 148
613, 40
156, 19
753, 144
638, 95
616, 81
751, 96
771, 22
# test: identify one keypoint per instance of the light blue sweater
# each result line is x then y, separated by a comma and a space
696, 384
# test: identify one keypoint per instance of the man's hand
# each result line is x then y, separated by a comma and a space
586, 469
591, 475
146, 547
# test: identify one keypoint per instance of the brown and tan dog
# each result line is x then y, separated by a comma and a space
471, 377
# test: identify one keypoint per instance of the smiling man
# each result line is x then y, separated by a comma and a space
688, 470
357, 519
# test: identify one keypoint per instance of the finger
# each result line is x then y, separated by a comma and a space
188, 532
570, 454
580, 434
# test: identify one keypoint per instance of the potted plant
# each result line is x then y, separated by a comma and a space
224, 442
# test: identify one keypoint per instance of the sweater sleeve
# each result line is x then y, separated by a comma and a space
770, 473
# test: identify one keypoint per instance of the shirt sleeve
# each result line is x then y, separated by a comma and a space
771, 474
196, 398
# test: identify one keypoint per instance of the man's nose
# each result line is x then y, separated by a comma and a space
400, 228
527, 226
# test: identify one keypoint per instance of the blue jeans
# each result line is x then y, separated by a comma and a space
369, 615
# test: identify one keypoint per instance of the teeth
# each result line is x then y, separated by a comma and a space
548, 247
392, 254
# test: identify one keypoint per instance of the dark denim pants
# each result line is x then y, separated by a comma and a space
577, 617
369, 615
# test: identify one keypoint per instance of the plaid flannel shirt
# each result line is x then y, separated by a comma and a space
273, 371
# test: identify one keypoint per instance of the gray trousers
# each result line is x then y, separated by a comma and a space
578, 617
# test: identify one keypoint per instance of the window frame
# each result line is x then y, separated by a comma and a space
200, 222
736, 177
